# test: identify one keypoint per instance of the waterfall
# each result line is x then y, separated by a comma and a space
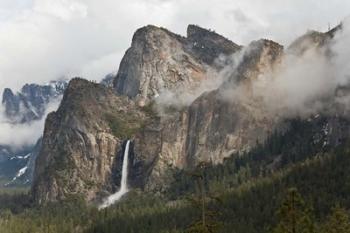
124, 181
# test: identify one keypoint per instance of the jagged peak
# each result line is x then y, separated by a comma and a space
151, 43
197, 32
8, 93
143, 32
335, 30
259, 55
77, 81
193, 29
79, 86
194, 32
266, 43
313, 38
258, 46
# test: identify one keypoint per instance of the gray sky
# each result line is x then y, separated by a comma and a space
41, 40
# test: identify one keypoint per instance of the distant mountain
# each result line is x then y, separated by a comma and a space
31, 101
108, 80
20, 168
21, 109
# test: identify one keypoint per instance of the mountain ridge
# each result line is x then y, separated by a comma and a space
210, 129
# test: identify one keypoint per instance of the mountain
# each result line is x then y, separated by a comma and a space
223, 138
95, 118
21, 110
84, 140
159, 60
108, 80
31, 101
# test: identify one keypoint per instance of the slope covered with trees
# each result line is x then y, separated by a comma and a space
309, 190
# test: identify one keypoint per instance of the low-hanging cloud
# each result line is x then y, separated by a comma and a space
183, 97
18, 136
42, 40
302, 84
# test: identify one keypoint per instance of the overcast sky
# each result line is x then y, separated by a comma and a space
41, 40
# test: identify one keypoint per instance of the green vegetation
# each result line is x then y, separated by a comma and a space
13, 190
337, 222
258, 205
294, 215
123, 126
150, 109
289, 184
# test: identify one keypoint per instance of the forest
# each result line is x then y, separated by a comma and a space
303, 189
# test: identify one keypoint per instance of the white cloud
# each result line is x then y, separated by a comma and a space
19, 135
41, 40
45, 39
63, 9
302, 84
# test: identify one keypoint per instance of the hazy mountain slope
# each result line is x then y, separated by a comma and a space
84, 140
22, 114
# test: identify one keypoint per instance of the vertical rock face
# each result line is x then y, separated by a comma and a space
215, 126
219, 125
160, 60
81, 141
10, 102
29, 174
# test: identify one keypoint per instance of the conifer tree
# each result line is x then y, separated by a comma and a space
337, 222
294, 215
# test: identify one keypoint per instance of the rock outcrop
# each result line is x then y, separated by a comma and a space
159, 60
214, 126
84, 140
81, 142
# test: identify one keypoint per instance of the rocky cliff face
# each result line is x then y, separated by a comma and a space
81, 142
215, 126
84, 140
159, 60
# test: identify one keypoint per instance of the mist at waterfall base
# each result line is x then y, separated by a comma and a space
123, 184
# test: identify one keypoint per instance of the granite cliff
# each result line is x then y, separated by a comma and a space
83, 142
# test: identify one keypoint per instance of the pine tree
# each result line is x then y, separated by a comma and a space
207, 223
294, 215
337, 222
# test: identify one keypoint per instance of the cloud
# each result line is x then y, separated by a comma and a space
301, 84
182, 97
63, 9
25, 134
41, 40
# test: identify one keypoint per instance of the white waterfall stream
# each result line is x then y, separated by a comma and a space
124, 181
